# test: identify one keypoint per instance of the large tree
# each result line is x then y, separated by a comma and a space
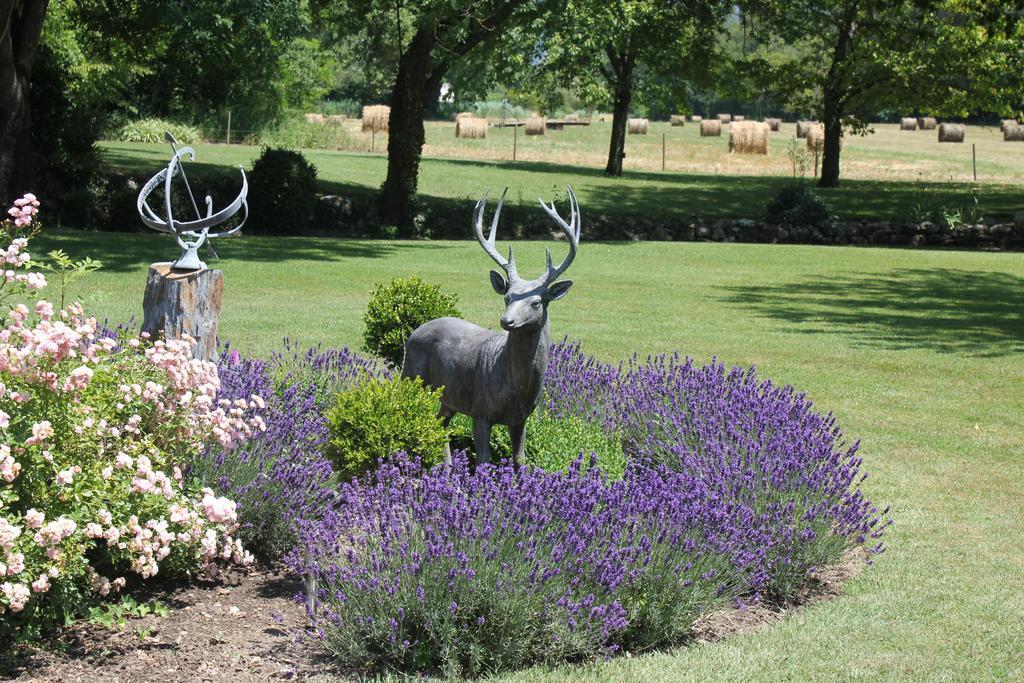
431, 36
605, 49
855, 58
21, 24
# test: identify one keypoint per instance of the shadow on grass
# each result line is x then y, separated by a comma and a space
943, 310
123, 252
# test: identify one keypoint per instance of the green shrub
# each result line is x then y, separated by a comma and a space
798, 206
378, 418
152, 130
395, 310
552, 443
282, 191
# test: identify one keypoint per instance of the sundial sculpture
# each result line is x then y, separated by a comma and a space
190, 235
496, 377
183, 298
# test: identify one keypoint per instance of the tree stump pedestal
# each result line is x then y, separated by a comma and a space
179, 303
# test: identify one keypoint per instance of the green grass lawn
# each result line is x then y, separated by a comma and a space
920, 354
735, 188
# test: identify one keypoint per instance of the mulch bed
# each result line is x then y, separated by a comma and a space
247, 626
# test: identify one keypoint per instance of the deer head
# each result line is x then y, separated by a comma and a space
526, 301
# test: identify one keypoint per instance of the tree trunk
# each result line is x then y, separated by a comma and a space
432, 90
622, 82
405, 132
21, 22
178, 304
834, 100
833, 120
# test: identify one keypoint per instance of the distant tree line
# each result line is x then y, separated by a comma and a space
71, 70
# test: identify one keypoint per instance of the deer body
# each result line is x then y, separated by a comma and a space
494, 377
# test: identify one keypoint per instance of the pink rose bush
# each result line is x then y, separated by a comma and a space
94, 433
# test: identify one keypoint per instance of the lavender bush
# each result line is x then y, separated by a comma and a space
468, 572
781, 470
734, 488
281, 477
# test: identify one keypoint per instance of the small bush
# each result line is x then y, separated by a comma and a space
378, 418
553, 443
798, 206
395, 310
282, 191
152, 130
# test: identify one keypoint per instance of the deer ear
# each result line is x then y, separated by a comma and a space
498, 282
558, 290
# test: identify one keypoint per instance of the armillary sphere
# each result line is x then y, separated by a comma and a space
190, 235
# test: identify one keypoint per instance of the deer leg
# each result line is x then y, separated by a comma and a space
517, 433
446, 418
482, 440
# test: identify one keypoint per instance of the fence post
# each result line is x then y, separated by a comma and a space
662, 151
974, 160
515, 141
229, 126
373, 137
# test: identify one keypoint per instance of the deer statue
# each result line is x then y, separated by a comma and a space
495, 377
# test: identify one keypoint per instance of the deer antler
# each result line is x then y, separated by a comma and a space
509, 264
572, 233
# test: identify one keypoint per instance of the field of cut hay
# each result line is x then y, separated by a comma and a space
887, 154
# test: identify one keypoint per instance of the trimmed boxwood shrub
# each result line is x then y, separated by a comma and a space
282, 191
396, 309
378, 418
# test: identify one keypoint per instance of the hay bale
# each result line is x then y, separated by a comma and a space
816, 137
1013, 134
471, 127
696, 119
336, 119
926, 122
712, 128
375, 117
725, 118
773, 124
748, 137
1007, 123
637, 126
536, 125
571, 116
677, 119
739, 117
951, 132
908, 123
314, 118
465, 115
803, 126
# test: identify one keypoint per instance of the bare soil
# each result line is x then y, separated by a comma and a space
826, 584
248, 626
